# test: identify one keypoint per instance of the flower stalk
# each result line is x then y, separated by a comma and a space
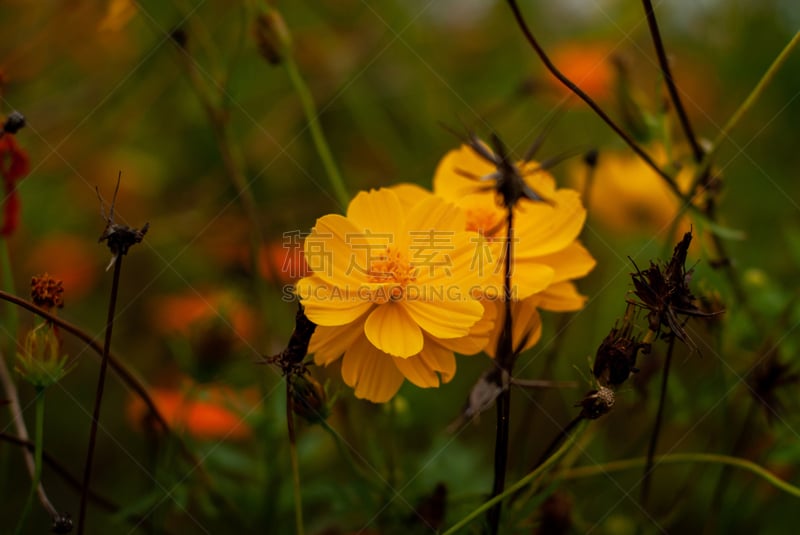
98, 399
38, 438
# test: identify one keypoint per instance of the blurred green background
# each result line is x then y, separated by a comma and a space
106, 88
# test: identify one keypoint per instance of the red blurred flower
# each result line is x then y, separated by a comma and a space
14, 164
205, 412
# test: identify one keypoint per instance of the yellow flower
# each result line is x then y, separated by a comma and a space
392, 290
545, 251
627, 196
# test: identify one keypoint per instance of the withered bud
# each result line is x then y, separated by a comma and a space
272, 36
120, 238
596, 403
616, 357
309, 400
14, 122
47, 292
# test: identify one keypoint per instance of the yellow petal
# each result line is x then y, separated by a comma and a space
416, 370
561, 297
449, 318
569, 263
529, 277
478, 336
393, 331
329, 305
463, 261
526, 325
410, 194
337, 251
371, 372
440, 359
449, 180
543, 229
378, 211
435, 214
329, 343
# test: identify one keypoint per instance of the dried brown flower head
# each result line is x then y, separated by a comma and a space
616, 357
47, 292
664, 292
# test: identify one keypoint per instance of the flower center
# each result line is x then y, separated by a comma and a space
486, 222
392, 269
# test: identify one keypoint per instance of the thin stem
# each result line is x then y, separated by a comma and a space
312, 116
651, 450
591, 103
298, 497
525, 481
505, 363
11, 317
680, 458
38, 436
744, 107
22, 431
697, 151
98, 399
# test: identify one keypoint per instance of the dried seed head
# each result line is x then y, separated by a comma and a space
596, 403
47, 292
616, 357
663, 290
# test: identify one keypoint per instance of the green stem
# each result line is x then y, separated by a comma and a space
298, 496
527, 480
681, 458
11, 316
312, 116
745, 106
37, 459
662, 400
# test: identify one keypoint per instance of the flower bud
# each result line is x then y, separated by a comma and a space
272, 36
41, 362
309, 399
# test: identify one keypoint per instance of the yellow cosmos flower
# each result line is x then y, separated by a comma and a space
629, 197
546, 254
545, 250
392, 290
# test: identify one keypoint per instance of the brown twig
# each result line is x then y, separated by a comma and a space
697, 151
98, 399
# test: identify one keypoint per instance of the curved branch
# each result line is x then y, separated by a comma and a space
591, 103
124, 373
697, 151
